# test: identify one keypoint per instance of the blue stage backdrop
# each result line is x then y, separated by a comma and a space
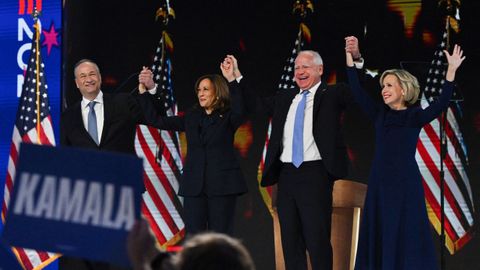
16, 31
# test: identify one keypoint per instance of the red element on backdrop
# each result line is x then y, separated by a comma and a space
33, 124
27, 8
476, 122
459, 210
50, 39
163, 162
244, 138
108, 80
241, 44
352, 156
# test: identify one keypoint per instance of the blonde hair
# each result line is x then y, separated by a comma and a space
407, 81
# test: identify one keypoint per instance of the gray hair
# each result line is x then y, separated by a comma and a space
85, 60
317, 59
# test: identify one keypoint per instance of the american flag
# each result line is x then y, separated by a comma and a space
286, 82
458, 193
33, 125
162, 158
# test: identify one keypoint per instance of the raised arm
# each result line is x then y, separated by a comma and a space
152, 117
253, 102
359, 94
454, 61
145, 81
228, 68
149, 114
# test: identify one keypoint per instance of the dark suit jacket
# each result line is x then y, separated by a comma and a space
328, 105
121, 115
211, 165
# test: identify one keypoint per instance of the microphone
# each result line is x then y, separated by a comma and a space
122, 85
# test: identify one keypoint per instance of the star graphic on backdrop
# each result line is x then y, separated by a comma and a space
50, 38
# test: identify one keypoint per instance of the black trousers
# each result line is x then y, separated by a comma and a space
204, 213
304, 205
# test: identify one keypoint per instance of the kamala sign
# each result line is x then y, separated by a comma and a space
85, 203
76, 202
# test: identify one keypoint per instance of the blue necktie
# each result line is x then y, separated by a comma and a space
92, 122
297, 145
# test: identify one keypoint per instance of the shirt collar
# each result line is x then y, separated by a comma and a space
98, 99
312, 89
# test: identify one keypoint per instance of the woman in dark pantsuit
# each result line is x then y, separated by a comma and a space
211, 178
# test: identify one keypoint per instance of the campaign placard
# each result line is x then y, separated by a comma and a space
81, 203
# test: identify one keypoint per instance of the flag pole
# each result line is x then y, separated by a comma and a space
450, 9
443, 145
164, 13
36, 14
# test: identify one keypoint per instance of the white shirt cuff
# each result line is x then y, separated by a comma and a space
153, 91
358, 63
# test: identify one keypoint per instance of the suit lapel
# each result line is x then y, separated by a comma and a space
107, 116
318, 97
282, 105
77, 122
288, 102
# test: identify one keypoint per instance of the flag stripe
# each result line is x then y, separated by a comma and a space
156, 190
153, 224
434, 185
450, 232
458, 151
169, 169
168, 158
459, 204
34, 91
25, 259
162, 160
448, 176
150, 156
458, 170
161, 188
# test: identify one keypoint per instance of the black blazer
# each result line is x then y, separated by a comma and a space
121, 115
328, 105
211, 165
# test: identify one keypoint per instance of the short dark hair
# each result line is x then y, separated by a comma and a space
222, 93
213, 251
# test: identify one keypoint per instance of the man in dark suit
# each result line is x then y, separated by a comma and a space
115, 116
102, 122
305, 155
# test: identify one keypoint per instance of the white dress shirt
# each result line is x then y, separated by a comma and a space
98, 112
310, 150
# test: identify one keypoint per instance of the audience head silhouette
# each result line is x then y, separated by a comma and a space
213, 251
